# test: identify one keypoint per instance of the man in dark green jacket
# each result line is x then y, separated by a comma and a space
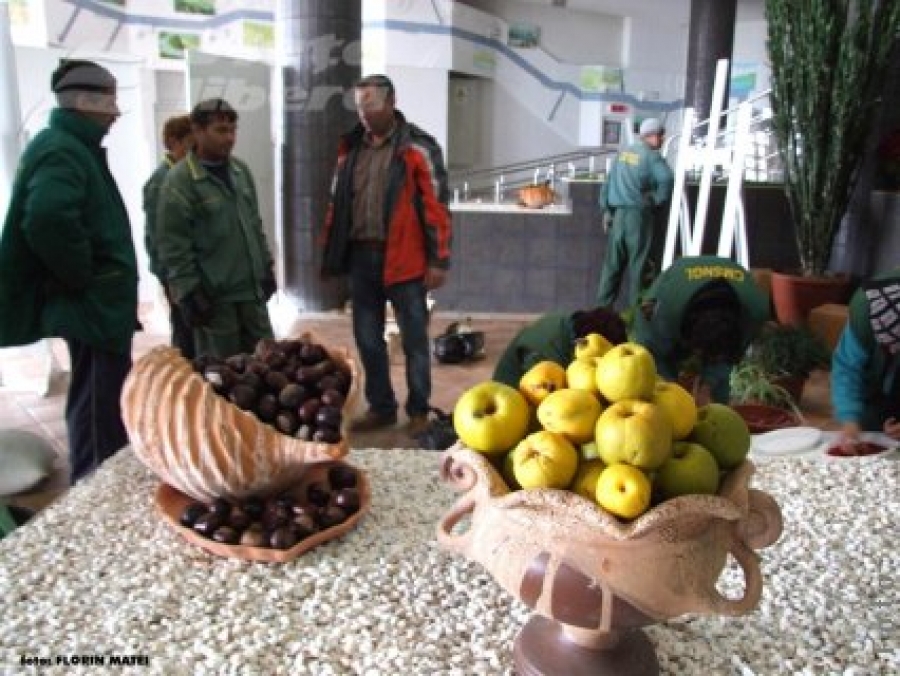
552, 337
67, 260
210, 239
177, 139
702, 309
639, 182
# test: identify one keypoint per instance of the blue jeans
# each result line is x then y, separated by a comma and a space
368, 295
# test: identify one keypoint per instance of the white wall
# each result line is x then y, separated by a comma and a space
422, 98
572, 36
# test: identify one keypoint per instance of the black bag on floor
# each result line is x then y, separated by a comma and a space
439, 435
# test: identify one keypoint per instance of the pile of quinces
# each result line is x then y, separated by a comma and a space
606, 427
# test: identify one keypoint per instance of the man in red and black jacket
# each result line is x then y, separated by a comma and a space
388, 228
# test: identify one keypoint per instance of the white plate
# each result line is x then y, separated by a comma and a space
787, 441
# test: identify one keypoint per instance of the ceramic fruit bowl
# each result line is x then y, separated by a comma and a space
536, 196
592, 580
203, 445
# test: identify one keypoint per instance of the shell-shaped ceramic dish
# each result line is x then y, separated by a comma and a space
204, 446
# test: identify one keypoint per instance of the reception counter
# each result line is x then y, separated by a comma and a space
98, 575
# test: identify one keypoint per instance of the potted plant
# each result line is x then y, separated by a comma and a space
828, 59
764, 404
787, 354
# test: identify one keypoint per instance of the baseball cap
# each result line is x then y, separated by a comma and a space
80, 75
651, 126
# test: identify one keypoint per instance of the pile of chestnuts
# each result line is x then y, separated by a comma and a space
281, 521
293, 385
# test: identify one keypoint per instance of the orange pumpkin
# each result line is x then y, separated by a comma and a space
203, 445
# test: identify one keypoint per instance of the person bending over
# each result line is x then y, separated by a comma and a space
701, 314
552, 337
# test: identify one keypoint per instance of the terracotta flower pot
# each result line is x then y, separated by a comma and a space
793, 296
594, 580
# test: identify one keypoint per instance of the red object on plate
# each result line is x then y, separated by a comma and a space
761, 418
861, 448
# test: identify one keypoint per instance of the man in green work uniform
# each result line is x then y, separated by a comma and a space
552, 337
210, 239
638, 183
705, 309
177, 137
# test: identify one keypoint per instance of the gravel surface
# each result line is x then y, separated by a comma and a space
99, 573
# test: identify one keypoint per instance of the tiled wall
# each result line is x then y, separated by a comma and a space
523, 262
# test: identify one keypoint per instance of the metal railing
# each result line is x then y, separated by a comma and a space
501, 183
762, 163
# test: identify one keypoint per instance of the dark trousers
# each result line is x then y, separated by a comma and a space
182, 334
368, 296
93, 411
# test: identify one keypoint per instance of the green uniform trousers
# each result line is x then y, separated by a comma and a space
234, 328
628, 246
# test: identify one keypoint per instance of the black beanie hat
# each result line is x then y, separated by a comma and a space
80, 75
602, 320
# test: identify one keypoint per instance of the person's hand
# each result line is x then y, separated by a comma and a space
435, 278
197, 308
892, 428
850, 434
607, 221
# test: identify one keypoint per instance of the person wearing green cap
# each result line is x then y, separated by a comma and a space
67, 260
638, 183
705, 309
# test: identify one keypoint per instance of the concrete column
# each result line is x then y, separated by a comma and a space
711, 38
322, 50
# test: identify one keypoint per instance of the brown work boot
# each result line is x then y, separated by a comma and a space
417, 424
371, 421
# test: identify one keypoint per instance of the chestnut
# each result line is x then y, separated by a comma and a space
208, 524
326, 435
282, 538
254, 536
342, 476
226, 535
318, 493
220, 506
304, 525
347, 499
331, 516
239, 521
253, 507
191, 513
332, 397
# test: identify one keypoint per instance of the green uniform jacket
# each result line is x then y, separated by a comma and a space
551, 337
151, 195
673, 290
67, 261
640, 177
211, 236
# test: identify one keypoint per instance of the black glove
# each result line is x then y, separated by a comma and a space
268, 285
197, 308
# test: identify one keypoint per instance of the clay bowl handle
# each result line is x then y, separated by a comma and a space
749, 563
458, 543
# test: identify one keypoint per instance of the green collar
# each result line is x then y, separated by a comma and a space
88, 131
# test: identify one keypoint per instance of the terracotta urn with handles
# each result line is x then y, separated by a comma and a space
593, 580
